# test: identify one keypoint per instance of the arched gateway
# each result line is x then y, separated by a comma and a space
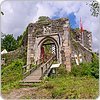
48, 41
55, 35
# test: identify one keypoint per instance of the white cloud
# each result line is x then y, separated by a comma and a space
18, 14
43, 9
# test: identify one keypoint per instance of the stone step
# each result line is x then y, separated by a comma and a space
34, 77
28, 84
30, 81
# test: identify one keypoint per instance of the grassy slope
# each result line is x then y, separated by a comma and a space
70, 87
10, 75
61, 86
65, 86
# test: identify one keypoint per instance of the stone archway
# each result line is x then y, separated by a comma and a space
40, 43
52, 42
58, 32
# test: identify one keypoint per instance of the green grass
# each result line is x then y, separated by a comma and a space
63, 85
67, 86
10, 75
71, 87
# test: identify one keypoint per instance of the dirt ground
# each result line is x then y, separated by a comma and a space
19, 93
27, 93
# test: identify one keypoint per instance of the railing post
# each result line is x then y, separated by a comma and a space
46, 66
25, 69
50, 62
36, 62
22, 70
30, 68
41, 71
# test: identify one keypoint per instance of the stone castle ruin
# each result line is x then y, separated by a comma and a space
69, 45
49, 37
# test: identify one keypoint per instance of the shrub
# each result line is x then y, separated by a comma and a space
83, 69
33, 65
62, 70
56, 92
89, 69
95, 66
48, 86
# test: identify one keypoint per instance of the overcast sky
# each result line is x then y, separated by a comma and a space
18, 14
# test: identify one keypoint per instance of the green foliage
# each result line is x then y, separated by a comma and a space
66, 86
70, 87
25, 37
36, 84
62, 71
89, 69
95, 66
9, 43
47, 47
22, 39
83, 69
19, 40
44, 20
33, 65
95, 7
56, 92
11, 74
48, 86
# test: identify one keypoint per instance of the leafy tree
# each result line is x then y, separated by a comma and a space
9, 43
19, 40
94, 8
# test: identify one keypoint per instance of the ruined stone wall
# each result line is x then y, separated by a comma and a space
84, 38
77, 49
20, 53
67, 47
